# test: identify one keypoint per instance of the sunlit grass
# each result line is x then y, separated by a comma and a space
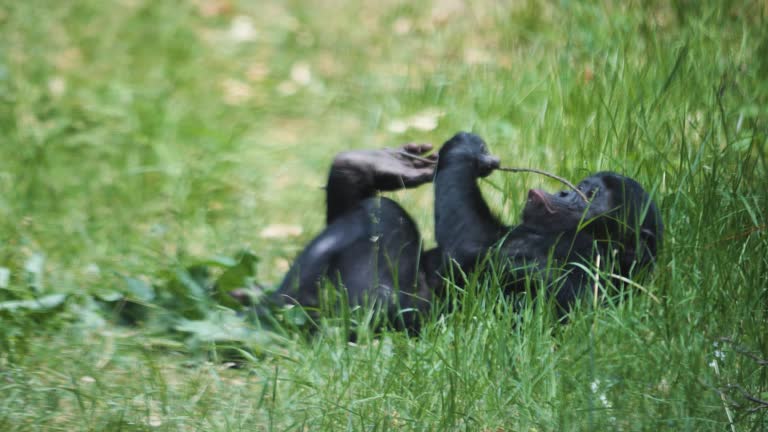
137, 137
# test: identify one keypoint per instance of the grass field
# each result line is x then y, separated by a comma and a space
139, 137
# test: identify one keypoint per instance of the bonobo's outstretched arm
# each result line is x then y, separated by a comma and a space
360, 174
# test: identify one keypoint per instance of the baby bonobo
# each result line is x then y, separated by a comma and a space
372, 247
560, 233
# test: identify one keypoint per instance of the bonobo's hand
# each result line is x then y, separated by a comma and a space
391, 169
468, 151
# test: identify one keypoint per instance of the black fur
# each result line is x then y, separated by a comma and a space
620, 222
372, 247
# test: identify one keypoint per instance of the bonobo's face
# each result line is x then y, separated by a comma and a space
467, 150
611, 197
619, 210
564, 210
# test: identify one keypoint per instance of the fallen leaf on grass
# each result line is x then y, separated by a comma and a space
423, 121
426, 120
301, 74
477, 56
282, 265
214, 8
287, 88
242, 29
235, 91
57, 86
5, 277
402, 26
280, 231
257, 72
397, 126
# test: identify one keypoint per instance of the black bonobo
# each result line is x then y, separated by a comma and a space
560, 235
372, 247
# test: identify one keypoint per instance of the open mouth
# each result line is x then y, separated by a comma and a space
539, 197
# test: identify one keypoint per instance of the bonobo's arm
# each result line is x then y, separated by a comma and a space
464, 226
359, 174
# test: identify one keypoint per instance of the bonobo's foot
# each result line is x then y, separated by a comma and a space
391, 169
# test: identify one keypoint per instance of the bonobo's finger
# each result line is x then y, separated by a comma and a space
419, 179
417, 148
412, 155
428, 160
420, 163
418, 176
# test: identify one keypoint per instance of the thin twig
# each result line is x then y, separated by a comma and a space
724, 398
743, 351
750, 397
515, 170
416, 157
550, 175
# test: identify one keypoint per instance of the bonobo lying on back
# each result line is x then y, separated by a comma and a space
372, 247
620, 223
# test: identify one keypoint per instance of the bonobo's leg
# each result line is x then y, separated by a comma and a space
370, 245
360, 174
372, 251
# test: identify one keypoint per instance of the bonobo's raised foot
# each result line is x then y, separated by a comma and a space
389, 169
359, 174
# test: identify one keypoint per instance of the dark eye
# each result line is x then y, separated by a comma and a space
592, 192
563, 194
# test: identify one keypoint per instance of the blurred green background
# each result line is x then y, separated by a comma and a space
138, 138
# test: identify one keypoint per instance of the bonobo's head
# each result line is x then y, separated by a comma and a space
469, 151
619, 211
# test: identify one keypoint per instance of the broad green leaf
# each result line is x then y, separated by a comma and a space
110, 296
222, 326
194, 279
33, 267
41, 304
139, 289
5, 277
218, 261
295, 315
241, 275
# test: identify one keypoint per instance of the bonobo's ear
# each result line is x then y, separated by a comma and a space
640, 255
646, 233
649, 238
613, 182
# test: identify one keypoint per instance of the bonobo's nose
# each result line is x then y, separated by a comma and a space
495, 162
492, 161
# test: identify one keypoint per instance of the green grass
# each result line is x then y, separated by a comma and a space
139, 136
